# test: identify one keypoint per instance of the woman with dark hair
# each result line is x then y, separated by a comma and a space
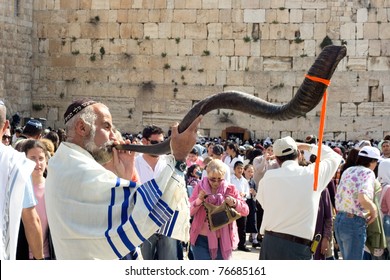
354, 204
194, 173
53, 136
233, 155
36, 151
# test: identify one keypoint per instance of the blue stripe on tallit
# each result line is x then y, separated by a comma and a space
172, 223
136, 230
124, 218
167, 228
125, 206
109, 221
150, 193
125, 240
161, 213
132, 184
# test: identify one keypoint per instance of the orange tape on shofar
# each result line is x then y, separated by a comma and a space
321, 129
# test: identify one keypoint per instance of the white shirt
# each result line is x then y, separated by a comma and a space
16, 192
286, 194
230, 162
145, 172
241, 185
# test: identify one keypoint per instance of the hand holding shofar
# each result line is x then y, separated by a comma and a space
307, 98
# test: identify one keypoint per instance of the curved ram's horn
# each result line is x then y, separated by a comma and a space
307, 98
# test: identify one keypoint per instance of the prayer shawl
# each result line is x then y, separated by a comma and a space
15, 177
93, 214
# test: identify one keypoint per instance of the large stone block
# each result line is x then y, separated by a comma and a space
309, 15
221, 78
250, 4
282, 48
362, 15
184, 16
235, 78
384, 30
257, 15
283, 15
379, 64
347, 30
226, 47
323, 15
365, 109
374, 47
296, 15
225, 15
241, 48
277, 64
357, 64
371, 30
277, 31
224, 4
362, 48
381, 109
214, 30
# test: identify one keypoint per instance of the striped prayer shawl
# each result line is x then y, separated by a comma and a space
95, 215
15, 175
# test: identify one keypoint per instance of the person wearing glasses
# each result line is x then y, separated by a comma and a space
219, 244
6, 138
157, 246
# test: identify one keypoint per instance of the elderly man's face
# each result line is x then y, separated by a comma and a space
101, 136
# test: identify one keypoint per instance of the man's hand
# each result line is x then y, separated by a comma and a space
123, 162
181, 144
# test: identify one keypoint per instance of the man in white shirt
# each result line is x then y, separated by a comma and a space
289, 201
157, 246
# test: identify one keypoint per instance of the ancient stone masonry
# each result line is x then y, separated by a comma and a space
16, 53
150, 61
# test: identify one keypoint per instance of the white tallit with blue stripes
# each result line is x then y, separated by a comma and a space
15, 177
95, 215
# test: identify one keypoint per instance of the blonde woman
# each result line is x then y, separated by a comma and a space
219, 244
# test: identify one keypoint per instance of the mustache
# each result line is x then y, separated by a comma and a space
103, 154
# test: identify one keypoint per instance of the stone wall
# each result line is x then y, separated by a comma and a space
150, 61
16, 52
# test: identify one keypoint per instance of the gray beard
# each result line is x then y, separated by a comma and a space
102, 154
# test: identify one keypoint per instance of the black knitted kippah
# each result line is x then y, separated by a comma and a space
76, 107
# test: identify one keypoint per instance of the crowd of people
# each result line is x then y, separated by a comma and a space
69, 194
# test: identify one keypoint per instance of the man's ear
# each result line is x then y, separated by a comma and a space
82, 129
144, 141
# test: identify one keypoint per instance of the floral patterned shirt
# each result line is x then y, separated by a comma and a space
355, 180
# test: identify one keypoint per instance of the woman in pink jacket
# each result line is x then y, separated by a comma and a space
219, 244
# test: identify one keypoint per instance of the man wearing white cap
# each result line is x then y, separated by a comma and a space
290, 204
354, 204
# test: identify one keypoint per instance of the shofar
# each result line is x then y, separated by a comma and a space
307, 98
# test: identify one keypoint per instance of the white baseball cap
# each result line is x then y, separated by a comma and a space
370, 152
284, 146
